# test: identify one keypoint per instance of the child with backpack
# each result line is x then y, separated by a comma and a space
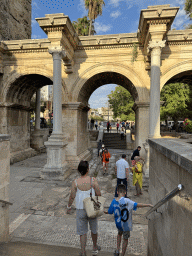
122, 209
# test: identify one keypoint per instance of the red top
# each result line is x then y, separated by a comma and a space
106, 155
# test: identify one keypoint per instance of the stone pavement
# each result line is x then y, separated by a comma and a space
38, 214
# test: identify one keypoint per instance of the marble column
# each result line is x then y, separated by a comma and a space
56, 165
36, 140
154, 112
38, 109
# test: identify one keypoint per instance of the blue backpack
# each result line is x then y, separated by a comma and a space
124, 212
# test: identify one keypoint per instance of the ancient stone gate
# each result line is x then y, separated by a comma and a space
77, 66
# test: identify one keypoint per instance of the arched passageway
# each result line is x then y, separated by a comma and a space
75, 114
17, 96
105, 78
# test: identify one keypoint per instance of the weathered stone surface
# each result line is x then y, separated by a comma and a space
170, 165
15, 19
4, 186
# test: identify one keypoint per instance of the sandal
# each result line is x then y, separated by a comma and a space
136, 195
95, 252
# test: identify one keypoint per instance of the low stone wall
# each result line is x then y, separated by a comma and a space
4, 186
170, 231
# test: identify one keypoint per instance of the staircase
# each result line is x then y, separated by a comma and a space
113, 140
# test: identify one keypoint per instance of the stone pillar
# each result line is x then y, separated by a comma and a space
38, 109
57, 53
154, 116
141, 124
56, 165
36, 140
4, 186
75, 129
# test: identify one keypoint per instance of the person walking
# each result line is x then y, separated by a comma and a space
99, 146
101, 152
117, 125
136, 152
122, 172
81, 188
92, 123
122, 133
106, 156
108, 126
122, 208
96, 125
137, 171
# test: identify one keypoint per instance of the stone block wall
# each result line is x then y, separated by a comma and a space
15, 19
19, 129
170, 164
4, 186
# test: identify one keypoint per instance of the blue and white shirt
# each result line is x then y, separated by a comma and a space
116, 207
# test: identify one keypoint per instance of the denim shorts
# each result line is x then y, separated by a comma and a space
126, 234
82, 222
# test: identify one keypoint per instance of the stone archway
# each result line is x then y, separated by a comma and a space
15, 109
76, 112
180, 72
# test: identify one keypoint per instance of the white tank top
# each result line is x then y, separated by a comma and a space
81, 195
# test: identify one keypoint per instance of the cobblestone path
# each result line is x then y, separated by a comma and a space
38, 214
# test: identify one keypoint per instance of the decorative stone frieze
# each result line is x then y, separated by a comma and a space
158, 22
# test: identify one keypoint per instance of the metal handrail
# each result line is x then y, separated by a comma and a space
165, 199
5, 202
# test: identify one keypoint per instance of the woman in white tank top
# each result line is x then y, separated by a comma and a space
80, 190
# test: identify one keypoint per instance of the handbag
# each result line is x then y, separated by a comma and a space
94, 205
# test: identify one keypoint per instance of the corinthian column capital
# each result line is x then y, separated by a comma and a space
156, 45
57, 50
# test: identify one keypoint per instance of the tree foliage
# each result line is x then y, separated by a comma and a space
121, 103
188, 8
176, 99
82, 26
95, 8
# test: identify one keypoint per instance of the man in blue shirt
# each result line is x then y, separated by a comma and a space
122, 209
122, 171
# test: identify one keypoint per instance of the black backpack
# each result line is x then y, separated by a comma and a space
124, 212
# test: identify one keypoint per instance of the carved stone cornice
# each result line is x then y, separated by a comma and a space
76, 106
140, 104
161, 17
61, 32
158, 22
28, 51
98, 47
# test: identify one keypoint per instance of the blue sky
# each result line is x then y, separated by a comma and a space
119, 16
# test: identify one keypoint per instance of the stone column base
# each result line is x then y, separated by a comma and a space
36, 140
54, 173
73, 161
56, 165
